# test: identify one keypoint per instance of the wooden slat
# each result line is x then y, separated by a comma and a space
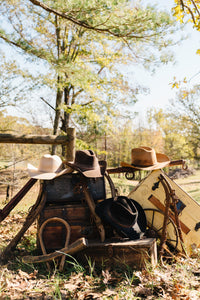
125, 252
34, 139
161, 207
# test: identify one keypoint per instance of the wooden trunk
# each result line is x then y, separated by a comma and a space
150, 194
66, 200
68, 188
79, 218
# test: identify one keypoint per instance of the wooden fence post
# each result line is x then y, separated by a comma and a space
70, 153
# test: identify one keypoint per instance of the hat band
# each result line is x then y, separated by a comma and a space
143, 166
86, 168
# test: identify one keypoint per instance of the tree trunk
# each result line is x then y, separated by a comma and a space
66, 117
59, 94
57, 114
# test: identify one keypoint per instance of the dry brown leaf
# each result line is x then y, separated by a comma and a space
23, 274
109, 293
33, 275
106, 276
91, 296
70, 286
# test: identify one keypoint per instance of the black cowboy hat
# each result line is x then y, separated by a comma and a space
125, 215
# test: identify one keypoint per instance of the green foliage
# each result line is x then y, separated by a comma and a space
12, 86
13, 153
114, 18
176, 142
82, 52
117, 143
188, 11
186, 109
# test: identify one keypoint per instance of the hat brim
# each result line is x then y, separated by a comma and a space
162, 161
34, 173
155, 167
141, 220
93, 173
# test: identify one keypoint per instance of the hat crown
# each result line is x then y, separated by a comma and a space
86, 160
143, 156
49, 163
124, 214
87, 164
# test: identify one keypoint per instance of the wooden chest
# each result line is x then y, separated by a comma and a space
79, 218
65, 199
68, 188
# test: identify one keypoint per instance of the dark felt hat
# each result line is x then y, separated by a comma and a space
87, 163
125, 215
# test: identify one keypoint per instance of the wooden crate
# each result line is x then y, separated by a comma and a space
150, 194
120, 253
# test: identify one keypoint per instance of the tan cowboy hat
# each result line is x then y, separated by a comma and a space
87, 164
145, 158
50, 166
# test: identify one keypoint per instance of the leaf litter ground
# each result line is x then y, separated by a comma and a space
178, 280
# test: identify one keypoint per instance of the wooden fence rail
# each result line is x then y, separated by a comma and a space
68, 140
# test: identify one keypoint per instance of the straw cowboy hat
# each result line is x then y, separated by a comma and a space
87, 164
145, 158
50, 166
125, 215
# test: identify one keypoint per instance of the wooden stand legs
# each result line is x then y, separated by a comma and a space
34, 212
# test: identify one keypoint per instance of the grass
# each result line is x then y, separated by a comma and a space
191, 185
123, 185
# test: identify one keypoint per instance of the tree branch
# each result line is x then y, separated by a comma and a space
27, 48
191, 13
190, 10
81, 23
45, 101
193, 2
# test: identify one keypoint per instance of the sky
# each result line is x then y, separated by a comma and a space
187, 64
